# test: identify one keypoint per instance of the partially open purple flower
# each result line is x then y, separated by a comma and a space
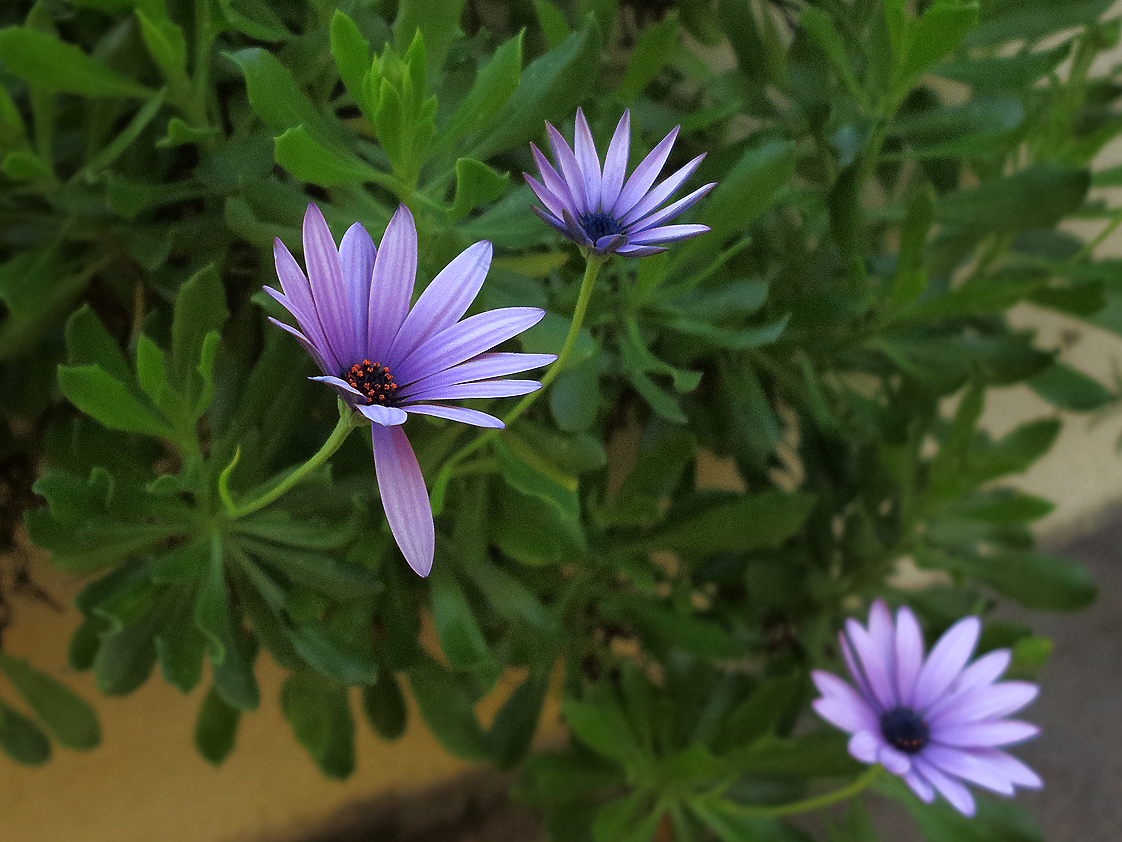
596, 209
935, 722
386, 360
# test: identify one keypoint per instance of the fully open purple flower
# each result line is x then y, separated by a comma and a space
596, 209
935, 722
387, 361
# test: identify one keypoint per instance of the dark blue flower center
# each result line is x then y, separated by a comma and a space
904, 729
597, 224
374, 381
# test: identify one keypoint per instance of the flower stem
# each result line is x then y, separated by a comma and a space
807, 804
591, 269
333, 443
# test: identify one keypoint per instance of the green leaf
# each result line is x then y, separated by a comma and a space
821, 27
309, 160
461, 639
384, 705
535, 532
1015, 72
1028, 20
108, 400
672, 628
21, 739
552, 85
447, 710
167, 46
278, 100
216, 728
493, 86
911, 276
27, 281
574, 396
125, 659
67, 716
976, 128
476, 184
1035, 580
352, 56
320, 572
761, 521
601, 724
319, 713
231, 653
653, 49
438, 22
552, 21
151, 368
1068, 388
627, 819
516, 722
937, 34
1035, 197
333, 655
526, 471
512, 600
200, 308
181, 648
46, 61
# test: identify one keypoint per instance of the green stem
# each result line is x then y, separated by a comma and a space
807, 804
591, 269
333, 443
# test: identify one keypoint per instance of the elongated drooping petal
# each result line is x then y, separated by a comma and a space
597, 208
404, 497
387, 362
935, 723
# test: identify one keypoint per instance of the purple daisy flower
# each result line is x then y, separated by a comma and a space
596, 209
386, 360
934, 722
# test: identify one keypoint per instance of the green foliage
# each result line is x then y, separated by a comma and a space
831, 340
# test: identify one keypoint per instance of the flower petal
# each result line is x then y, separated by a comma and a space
444, 300
946, 661
549, 220
671, 211
909, 653
615, 163
662, 191
644, 175
841, 705
855, 668
339, 383
986, 734
587, 159
958, 795
988, 702
576, 233
639, 251
480, 389
609, 243
919, 785
457, 413
404, 497
873, 665
391, 285
962, 765
296, 289
553, 182
668, 234
894, 760
312, 350
552, 203
864, 745
356, 256
570, 168
482, 367
383, 416
325, 275
466, 339
1009, 766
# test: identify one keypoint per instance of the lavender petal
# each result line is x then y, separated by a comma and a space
841, 705
553, 182
987, 734
894, 760
662, 191
672, 210
1009, 766
356, 256
391, 286
444, 301
383, 416
551, 221
552, 203
871, 653
668, 234
963, 765
570, 168
480, 389
919, 785
588, 160
576, 232
312, 350
644, 175
339, 383
615, 163
325, 275
457, 413
482, 367
864, 745
404, 497
955, 793
909, 654
639, 251
466, 339
988, 702
299, 293
946, 661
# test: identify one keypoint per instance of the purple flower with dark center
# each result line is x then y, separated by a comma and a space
386, 360
596, 209
934, 722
